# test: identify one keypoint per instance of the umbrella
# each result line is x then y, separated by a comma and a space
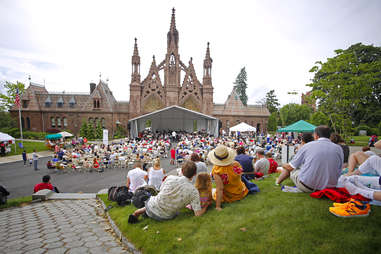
65, 134
299, 126
53, 136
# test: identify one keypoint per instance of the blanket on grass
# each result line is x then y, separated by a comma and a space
340, 195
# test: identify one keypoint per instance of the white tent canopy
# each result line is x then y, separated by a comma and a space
65, 134
5, 137
242, 127
175, 118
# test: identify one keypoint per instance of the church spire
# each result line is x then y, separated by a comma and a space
172, 36
207, 63
173, 21
135, 64
136, 51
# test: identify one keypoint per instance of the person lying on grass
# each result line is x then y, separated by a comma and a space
368, 162
176, 192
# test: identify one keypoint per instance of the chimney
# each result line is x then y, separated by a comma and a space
92, 87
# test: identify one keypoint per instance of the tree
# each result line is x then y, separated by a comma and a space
6, 121
347, 87
98, 131
241, 85
7, 97
272, 102
120, 131
292, 112
90, 131
83, 130
319, 118
273, 121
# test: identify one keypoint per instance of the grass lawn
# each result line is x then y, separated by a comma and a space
28, 146
268, 222
359, 140
17, 202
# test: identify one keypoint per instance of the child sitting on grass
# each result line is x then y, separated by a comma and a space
204, 186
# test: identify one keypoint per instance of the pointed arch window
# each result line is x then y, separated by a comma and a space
53, 122
96, 103
103, 121
58, 122
172, 60
22, 122
65, 122
28, 123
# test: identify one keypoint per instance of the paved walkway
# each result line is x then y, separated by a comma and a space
14, 158
68, 226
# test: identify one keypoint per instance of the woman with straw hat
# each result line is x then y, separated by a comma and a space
227, 175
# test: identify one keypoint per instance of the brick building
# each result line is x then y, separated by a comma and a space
306, 100
44, 111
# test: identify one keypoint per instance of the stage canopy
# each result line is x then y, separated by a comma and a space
243, 127
174, 118
299, 126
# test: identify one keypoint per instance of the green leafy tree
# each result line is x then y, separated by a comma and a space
120, 132
90, 131
319, 118
272, 102
241, 85
273, 121
83, 130
292, 112
8, 94
6, 121
98, 131
347, 87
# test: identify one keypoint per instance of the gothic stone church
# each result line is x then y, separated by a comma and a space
47, 111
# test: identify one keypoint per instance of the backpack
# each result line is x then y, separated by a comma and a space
252, 187
142, 194
121, 195
3, 195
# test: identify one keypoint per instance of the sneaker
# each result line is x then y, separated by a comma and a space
351, 209
351, 200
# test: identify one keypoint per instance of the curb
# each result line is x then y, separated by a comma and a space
129, 246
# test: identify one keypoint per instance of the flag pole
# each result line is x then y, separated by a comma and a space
20, 124
19, 106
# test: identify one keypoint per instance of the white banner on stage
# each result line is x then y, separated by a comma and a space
105, 136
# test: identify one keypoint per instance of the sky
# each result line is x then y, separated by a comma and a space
67, 44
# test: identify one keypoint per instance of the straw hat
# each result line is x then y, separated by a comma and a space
222, 155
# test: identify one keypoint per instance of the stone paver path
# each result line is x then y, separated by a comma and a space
67, 226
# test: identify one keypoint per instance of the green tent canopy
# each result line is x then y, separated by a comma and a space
299, 126
53, 136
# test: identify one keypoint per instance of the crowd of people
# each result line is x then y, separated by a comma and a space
321, 161
317, 165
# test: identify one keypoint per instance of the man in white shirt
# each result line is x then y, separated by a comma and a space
174, 135
262, 164
176, 192
320, 163
136, 177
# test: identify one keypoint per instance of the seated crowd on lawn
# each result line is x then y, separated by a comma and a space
318, 163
